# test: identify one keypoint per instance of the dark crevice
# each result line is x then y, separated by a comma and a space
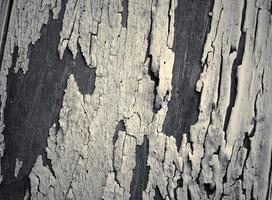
154, 77
152, 70
213, 108
155, 2
34, 100
83, 74
115, 177
254, 119
236, 63
28, 188
222, 196
5, 29
140, 173
225, 177
256, 28
169, 16
179, 185
47, 162
251, 193
119, 127
232, 49
192, 23
270, 7
247, 144
158, 195
262, 82
147, 56
254, 127
209, 189
189, 197
220, 79
243, 17
234, 80
124, 13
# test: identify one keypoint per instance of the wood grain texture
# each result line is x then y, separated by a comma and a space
137, 99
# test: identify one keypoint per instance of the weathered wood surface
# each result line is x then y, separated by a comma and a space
135, 99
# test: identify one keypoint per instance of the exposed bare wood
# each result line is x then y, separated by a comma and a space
132, 101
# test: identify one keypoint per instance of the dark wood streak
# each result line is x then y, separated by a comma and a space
34, 100
192, 24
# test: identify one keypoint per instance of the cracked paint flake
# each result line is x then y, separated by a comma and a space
20, 35
109, 165
92, 148
18, 166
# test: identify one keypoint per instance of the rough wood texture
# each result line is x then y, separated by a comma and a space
136, 99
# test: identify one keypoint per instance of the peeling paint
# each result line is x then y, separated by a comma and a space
133, 122
21, 35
